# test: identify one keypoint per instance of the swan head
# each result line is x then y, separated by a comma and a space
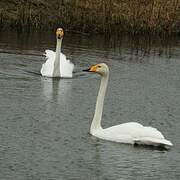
59, 33
101, 69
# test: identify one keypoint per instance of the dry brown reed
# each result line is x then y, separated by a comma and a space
103, 16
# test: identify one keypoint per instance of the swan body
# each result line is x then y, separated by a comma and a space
56, 64
65, 66
132, 132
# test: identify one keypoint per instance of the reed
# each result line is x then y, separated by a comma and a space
103, 16
2, 17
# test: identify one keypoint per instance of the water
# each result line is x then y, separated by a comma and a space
44, 122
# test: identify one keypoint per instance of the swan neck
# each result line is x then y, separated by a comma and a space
96, 123
56, 71
58, 46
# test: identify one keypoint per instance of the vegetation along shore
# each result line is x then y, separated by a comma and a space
103, 16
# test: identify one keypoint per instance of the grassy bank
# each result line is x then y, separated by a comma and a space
103, 16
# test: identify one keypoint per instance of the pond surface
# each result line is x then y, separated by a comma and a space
44, 122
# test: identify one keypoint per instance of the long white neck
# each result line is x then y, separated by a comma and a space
56, 71
96, 123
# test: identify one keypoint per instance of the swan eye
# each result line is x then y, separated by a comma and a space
99, 66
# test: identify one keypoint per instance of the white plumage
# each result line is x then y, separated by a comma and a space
66, 67
132, 132
56, 64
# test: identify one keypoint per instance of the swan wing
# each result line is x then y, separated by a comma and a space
152, 136
48, 66
122, 133
135, 130
49, 54
66, 67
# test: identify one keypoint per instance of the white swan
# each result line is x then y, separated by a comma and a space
56, 64
132, 132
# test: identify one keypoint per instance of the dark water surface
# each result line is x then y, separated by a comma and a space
44, 122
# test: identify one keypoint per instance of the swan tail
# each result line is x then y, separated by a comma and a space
153, 142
